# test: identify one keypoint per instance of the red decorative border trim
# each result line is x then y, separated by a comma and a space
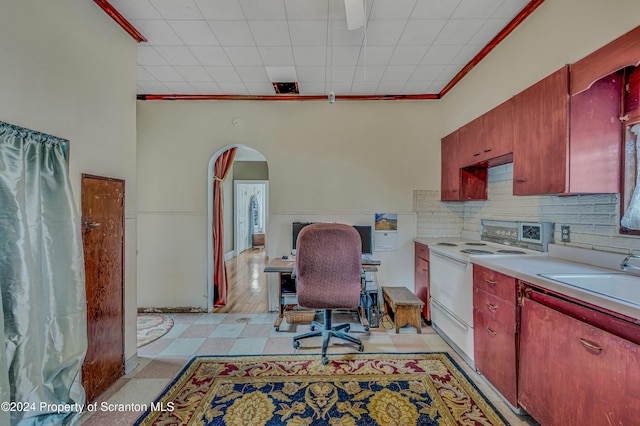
177, 97
121, 20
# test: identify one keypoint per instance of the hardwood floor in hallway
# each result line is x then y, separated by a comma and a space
248, 290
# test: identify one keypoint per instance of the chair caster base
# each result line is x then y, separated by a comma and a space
296, 345
360, 348
325, 360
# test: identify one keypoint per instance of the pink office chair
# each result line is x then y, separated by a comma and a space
328, 274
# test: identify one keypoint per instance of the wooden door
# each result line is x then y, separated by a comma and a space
450, 168
103, 242
471, 142
497, 125
421, 278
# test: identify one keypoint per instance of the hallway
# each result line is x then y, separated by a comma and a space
248, 290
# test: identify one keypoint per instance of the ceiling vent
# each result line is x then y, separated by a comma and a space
286, 88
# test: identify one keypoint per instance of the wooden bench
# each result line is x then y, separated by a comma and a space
404, 306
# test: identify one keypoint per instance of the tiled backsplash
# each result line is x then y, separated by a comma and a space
593, 219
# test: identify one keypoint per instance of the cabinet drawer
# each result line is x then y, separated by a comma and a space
495, 283
495, 355
495, 308
422, 251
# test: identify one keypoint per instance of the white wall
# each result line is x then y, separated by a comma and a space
342, 159
68, 70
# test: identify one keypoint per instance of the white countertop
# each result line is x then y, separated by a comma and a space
562, 260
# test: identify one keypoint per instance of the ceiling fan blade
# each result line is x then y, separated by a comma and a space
354, 10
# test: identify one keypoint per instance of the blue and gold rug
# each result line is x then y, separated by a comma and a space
297, 390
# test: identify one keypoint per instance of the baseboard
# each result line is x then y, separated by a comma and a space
130, 364
229, 255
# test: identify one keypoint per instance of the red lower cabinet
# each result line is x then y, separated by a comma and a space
572, 373
495, 355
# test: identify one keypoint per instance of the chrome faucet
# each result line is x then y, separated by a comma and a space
626, 263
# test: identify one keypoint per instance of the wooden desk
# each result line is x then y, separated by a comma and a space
283, 267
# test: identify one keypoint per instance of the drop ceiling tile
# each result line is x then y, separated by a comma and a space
408, 55
165, 73
340, 35
177, 55
392, 9
136, 9
193, 73
344, 55
143, 75
194, 33
305, 9
339, 87
476, 9
416, 88
458, 31
147, 55
205, 87
260, 89
232, 33
183, 9
434, 9
421, 31
223, 74
311, 88
375, 55
270, 33
369, 74
437, 86
449, 72
151, 87
263, 9
157, 32
427, 73
181, 87
309, 55
390, 87
310, 74
340, 73
441, 54
211, 55
364, 87
244, 56
509, 9
221, 10
231, 88
281, 74
488, 31
398, 73
466, 54
252, 74
274, 56
308, 33
381, 33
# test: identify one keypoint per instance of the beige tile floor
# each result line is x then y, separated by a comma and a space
237, 334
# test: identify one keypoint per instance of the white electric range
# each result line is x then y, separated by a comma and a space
451, 274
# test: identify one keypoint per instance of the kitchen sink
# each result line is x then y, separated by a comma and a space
624, 287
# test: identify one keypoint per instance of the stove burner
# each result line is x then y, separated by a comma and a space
447, 244
511, 251
475, 244
475, 251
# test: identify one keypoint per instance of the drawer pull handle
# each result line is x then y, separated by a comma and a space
491, 283
488, 150
521, 180
491, 332
492, 307
590, 345
476, 154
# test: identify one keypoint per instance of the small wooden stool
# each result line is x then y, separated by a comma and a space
404, 305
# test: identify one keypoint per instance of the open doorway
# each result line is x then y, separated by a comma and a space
250, 170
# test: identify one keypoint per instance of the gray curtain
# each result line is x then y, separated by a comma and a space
41, 281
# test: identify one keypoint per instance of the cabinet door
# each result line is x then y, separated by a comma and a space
495, 355
421, 284
541, 136
471, 143
497, 125
574, 374
450, 168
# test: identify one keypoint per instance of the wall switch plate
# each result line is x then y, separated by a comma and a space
566, 233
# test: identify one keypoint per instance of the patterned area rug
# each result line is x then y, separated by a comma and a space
297, 390
152, 327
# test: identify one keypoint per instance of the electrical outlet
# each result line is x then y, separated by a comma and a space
566, 233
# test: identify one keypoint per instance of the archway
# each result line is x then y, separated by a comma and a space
246, 156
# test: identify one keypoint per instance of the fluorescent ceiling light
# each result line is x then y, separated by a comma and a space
354, 10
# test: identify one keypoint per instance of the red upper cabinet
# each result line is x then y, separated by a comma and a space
450, 168
497, 126
541, 135
471, 142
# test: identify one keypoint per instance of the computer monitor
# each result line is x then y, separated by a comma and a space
365, 236
296, 227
